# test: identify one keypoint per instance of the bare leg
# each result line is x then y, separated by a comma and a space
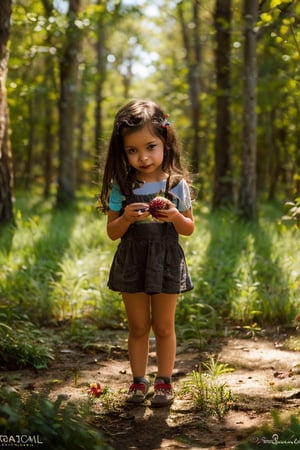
139, 325
163, 324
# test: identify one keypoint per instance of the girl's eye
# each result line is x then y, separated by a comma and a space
131, 151
151, 146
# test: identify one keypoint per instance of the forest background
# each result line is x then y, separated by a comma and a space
227, 72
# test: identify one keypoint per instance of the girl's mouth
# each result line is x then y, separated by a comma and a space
145, 167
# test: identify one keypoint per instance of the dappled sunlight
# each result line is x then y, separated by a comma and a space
246, 271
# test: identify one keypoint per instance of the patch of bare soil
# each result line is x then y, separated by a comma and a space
265, 377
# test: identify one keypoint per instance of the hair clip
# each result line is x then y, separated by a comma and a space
165, 123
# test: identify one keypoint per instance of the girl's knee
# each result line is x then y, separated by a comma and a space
138, 330
163, 331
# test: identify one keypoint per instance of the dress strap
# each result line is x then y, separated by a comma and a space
167, 187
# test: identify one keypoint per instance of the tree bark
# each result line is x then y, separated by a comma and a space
247, 203
223, 182
67, 109
30, 146
192, 45
6, 170
101, 75
50, 86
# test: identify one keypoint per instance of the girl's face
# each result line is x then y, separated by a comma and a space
145, 153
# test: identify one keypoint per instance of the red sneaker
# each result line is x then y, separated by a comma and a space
137, 393
163, 394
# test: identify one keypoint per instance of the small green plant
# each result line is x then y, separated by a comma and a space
22, 346
110, 400
106, 398
197, 322
252, 330
210, 395
215, 368
57, 425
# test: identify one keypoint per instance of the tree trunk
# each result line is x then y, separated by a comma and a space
101, 75
29, 147
49, 135
247, 203
80, 142
192, 45
67, 109
6, 171
223, 183
297, 159
50, 86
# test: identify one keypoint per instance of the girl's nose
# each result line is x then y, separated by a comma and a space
143, 156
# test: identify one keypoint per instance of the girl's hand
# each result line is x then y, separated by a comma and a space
135, 212
168, 215
182, 221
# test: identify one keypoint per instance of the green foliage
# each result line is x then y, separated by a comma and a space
57, 263
56, 424
88, 336
22, 344
196, 322
209, 394
110, 400
246, 271
215, 368
293, 212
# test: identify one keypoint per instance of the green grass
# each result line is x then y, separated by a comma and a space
55, 266
249, 272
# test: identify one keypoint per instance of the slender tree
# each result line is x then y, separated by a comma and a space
190, 30
247, 202
99, 79
6, 173
223, 183
50, 86
67, 108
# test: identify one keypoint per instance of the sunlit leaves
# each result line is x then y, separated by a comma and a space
266, 17
275, 3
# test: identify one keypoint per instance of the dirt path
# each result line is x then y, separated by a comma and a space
266, 377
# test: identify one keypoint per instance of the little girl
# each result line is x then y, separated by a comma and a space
149, 266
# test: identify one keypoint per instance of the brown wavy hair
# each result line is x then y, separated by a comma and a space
130, 118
